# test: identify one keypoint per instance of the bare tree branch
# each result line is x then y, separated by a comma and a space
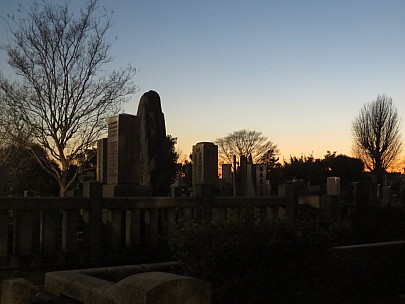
244, 143
63, 95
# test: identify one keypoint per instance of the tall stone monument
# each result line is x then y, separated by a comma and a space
123, 148
134, 159
153, 143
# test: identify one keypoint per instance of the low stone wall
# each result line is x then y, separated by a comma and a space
376, 269
131, 284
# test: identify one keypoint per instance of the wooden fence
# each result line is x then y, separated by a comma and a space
44, 230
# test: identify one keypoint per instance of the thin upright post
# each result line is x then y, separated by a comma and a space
94, 192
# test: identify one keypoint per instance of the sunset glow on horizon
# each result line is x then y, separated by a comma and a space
297, 71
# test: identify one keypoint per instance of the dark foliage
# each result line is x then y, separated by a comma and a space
296, 262
247, 263
371, 224
25, 173
168, 169
315, 171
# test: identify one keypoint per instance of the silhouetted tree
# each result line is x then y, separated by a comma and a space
349, 169
316, 171
270, 158
245, 143
271, 161
376, 135
63, 94
13, 133
169, 169
306, 168
24, 172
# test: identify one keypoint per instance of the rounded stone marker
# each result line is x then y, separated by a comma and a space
168, 288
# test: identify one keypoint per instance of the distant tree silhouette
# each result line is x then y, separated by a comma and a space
270, 158
246, 143
349, 169
306, 168
63, 94
376, 135
316, 171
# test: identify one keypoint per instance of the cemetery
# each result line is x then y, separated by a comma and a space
98, 206
112, 236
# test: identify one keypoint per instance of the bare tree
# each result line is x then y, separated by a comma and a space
14, 135
63, 92
376, 135
245, 143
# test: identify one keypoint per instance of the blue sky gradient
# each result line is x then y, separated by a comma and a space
297, 70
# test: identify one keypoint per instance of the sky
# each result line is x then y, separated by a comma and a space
298, 71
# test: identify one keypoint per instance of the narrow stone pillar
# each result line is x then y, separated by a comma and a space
134, 223
116, 229
23, 232
36, 231
171, 223
69, 230
94, 192
151, 226
49, 227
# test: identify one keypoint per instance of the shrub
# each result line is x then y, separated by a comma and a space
248, 263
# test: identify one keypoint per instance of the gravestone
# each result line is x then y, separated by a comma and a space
136, 152
123, 148
153, 143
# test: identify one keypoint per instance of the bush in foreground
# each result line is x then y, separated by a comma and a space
248, 263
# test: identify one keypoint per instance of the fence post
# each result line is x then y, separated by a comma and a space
94, 192
50, 226
151, 227
115, 228
171, 223
24, 232
70, 219
3, 232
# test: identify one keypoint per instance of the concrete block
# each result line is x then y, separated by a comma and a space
140, 288
76, 286
166, 288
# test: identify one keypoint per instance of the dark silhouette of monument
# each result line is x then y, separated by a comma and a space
133, 161
153, 147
